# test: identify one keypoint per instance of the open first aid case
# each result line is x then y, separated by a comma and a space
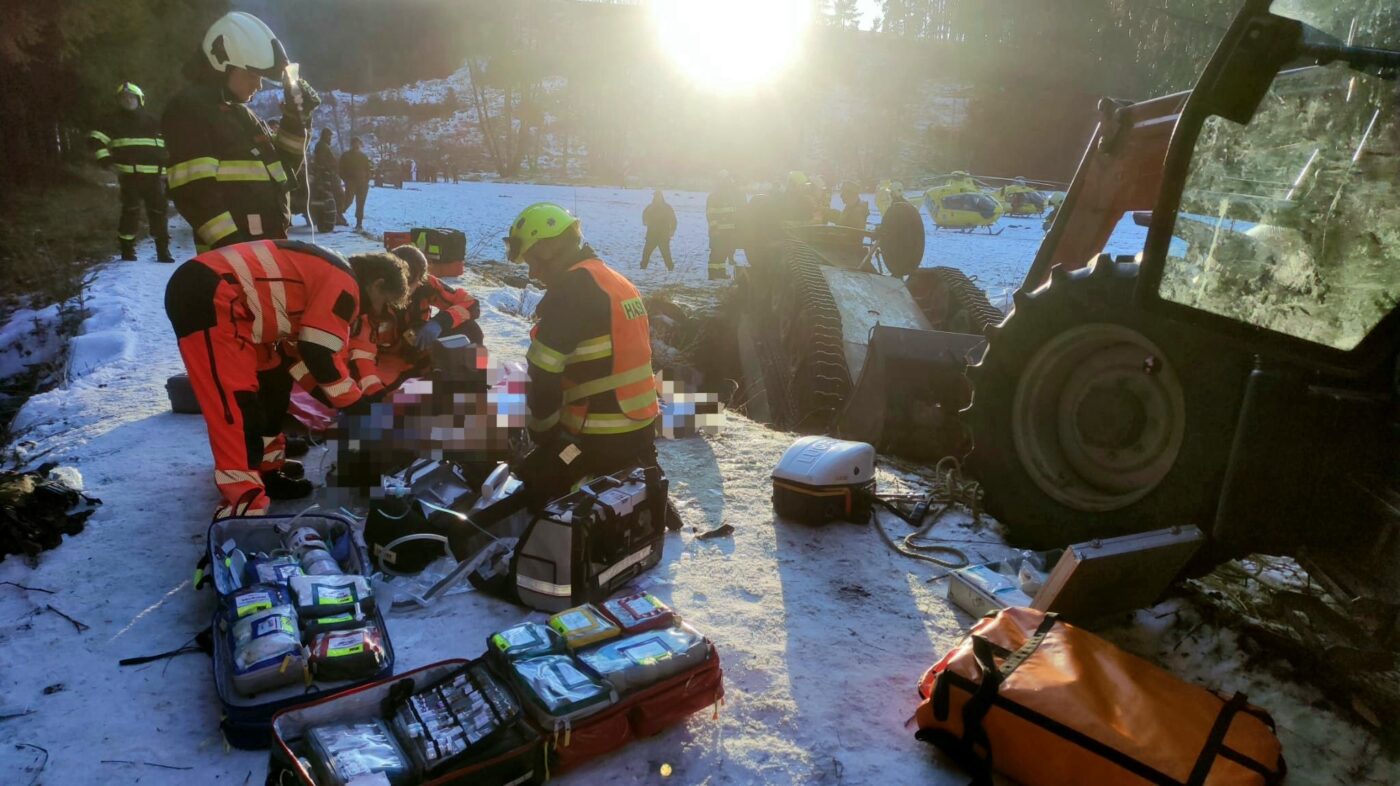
312, 652
527, 710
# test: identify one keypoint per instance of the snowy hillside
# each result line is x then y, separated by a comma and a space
395, 136
822, 632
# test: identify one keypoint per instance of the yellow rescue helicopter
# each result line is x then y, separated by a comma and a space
1019, 199
959, 203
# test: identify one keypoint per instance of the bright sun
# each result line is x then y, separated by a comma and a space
732, 45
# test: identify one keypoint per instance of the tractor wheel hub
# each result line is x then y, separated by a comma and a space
1098, 417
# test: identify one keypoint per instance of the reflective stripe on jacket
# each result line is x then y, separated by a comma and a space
302, 298
455, 305
228, 173
131, 143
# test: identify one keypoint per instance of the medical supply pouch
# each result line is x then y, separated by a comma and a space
525, 640
583, 626
353, 654
328, 596
278, 569
314, 626
639, 612
557, 690
641, 660
346, 753
255, 598
267, 651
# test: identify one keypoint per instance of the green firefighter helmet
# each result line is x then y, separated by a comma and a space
130, 89
540, 221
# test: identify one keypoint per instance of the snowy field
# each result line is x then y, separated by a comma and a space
612, 221
822, 633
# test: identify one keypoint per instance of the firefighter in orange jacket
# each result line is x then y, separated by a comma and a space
250, 319
592, 396
386, 349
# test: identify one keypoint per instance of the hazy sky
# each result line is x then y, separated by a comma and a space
870, 11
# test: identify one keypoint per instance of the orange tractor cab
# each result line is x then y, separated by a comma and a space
1241, 373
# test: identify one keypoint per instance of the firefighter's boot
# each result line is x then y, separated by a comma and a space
128, 250
163, 250
279, 486
293, 469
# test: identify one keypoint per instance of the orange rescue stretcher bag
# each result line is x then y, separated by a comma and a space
1043, 702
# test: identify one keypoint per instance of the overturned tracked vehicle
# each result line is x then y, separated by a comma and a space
838, 330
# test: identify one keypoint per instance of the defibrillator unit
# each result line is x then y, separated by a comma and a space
820, 479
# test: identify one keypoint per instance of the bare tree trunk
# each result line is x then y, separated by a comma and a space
483, 116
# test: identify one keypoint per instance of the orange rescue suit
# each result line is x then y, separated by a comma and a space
249, 318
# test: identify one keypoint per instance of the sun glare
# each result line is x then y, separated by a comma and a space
732, 45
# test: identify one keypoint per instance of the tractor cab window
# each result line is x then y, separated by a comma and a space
1292, 222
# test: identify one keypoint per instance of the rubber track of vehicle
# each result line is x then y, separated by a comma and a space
969, 297
818, 399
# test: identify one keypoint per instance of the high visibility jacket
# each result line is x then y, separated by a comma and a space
721, 210
130, 143
302, 298
374, 335
228, 172
371, 335
455, 305
590, 356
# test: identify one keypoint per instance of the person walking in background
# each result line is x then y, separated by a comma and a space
355, 167
660, 221
131, 145
229, 175
325, 185
721, 211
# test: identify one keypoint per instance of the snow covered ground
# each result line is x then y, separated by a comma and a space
823, 633
612, 221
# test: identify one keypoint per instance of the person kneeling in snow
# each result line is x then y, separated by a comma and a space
592, 395
388, 348
251, 319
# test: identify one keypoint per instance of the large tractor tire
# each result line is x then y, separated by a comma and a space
952, 302
1092, 418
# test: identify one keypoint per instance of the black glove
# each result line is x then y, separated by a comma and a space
310, 99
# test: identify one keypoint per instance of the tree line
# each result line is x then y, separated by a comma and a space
1003, 87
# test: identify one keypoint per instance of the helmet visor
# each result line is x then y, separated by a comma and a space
513, 248
279, 64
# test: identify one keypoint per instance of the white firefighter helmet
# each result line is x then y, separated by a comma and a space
243, 40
